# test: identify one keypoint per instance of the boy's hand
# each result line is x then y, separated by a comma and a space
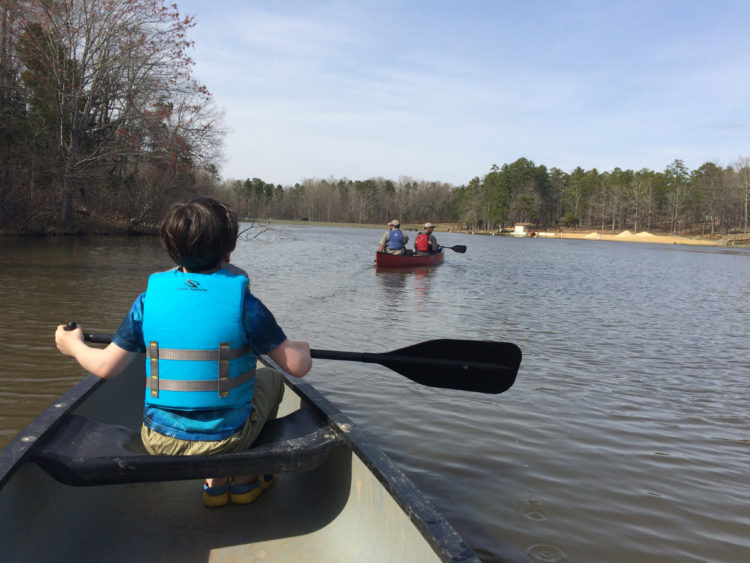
66, 340
102, 362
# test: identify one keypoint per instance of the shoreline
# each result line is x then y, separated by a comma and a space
740, 240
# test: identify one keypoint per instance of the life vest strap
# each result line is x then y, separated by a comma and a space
224, 352
198, 355
200, 384
153, 354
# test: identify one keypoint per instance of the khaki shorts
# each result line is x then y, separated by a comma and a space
269, 389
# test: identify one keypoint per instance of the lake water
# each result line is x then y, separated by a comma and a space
626, 436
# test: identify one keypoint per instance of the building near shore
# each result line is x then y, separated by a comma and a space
521, 230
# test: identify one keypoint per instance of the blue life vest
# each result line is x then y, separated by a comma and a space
198, 355
395, 239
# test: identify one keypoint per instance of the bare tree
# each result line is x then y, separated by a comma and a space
638, 191
120, 74
707, 181
742, 178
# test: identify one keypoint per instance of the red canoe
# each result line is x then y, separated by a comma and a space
385, 260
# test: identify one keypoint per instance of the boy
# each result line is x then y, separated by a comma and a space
202, 329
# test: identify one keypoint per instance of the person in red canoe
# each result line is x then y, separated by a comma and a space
394, 239
426, 243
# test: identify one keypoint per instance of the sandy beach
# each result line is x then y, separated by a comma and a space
739, 240
624, 236
643, 236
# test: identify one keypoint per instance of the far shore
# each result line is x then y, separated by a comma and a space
736, 240
733, 240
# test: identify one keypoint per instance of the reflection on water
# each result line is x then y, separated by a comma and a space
625, 438
394, 283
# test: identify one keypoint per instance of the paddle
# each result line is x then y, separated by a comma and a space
457, 248
464, 365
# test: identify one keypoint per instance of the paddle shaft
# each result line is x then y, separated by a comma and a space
385, 359
97, 338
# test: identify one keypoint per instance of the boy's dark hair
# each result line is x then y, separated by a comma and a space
198, 233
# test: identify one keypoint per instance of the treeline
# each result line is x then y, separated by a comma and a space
102, 126
101, 122
376, 200
708, 200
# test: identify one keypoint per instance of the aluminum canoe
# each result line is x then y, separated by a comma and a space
76, 485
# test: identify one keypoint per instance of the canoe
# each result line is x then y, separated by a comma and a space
76, 485
385, 260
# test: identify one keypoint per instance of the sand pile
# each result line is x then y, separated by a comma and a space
643, 236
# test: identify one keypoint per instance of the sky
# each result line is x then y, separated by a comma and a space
442, 90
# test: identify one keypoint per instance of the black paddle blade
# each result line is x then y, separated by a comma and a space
466, 365
460, 248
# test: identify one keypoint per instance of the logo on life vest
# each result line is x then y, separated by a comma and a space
192, 285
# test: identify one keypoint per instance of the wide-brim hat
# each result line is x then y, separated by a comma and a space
395, 223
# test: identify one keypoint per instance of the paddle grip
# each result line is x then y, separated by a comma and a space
89, 336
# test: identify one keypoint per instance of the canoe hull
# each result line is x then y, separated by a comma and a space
354, 505
385, 260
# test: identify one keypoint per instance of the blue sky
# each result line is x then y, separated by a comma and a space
443, 90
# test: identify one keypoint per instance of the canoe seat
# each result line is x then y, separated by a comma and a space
83, 452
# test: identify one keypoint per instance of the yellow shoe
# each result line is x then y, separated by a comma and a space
216, 496
248, 492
